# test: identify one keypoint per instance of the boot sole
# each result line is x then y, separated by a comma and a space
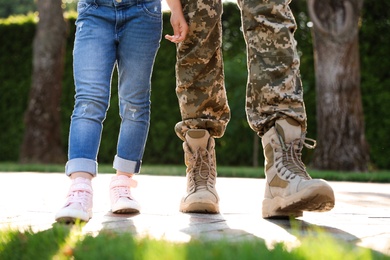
199, 207
318, 199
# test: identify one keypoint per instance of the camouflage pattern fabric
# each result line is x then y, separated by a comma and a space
274, 89
199, 71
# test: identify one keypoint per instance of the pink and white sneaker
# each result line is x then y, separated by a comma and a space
78, 204
120, 195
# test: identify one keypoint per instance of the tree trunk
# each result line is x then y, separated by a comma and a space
42, 136
340, 120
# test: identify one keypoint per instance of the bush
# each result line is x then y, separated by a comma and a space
15, 81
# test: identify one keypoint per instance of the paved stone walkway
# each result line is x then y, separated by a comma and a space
361, 215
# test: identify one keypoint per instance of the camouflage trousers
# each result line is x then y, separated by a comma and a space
274, 88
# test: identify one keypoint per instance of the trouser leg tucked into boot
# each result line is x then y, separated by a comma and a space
289, 188
201, 173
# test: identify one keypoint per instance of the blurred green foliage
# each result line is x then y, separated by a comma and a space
16, 7
163, 147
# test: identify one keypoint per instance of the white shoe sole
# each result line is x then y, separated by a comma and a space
72, 215
126, 207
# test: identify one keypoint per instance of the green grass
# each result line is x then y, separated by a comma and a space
68, 242
223, 171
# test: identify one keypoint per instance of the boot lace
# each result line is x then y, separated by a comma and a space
202, 173
290, 162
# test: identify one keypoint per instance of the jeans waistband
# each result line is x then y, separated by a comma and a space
114, 2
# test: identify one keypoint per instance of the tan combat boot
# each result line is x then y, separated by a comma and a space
289, 189
201, 173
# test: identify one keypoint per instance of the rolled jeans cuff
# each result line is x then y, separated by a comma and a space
81, 165
127, 166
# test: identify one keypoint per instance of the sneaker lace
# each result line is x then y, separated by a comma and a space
83, 197
123, 191
202, 171
291, 163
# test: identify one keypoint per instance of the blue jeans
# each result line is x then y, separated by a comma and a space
109, 33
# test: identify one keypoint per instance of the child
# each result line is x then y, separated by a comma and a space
126, 34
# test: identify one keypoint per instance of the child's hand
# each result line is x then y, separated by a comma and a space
180, 29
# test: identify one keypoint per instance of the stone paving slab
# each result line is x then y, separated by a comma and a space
361, 215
